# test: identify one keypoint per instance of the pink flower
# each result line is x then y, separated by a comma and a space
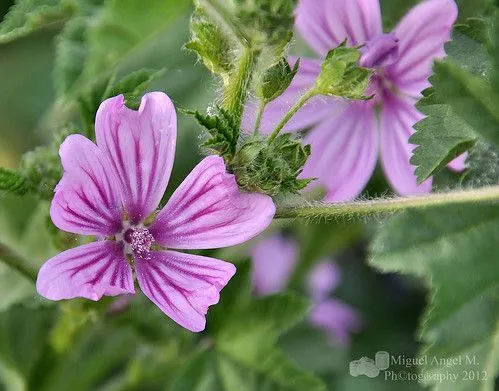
346, 137
110, 190
274, 260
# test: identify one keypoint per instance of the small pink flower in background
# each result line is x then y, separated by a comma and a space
110, 189
274, 260
347, 137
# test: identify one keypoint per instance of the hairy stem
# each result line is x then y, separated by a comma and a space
15, 261
298, 105
259, 115
319, 210
236, 90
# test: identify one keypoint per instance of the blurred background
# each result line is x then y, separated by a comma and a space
82, 346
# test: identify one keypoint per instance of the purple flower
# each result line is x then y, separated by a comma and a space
346, 137
111, 190
275, 258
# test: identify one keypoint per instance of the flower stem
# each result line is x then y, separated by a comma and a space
15, 261
298, 105
320, 210
236, 90
259, 115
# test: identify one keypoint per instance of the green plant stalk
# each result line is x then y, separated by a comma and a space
237, 88
15, 261
321, 210
259, 115
297, 106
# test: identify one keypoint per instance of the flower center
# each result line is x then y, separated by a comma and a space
139, 239
381, 51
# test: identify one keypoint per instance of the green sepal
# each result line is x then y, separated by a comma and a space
341, 76
276, 80
12, 182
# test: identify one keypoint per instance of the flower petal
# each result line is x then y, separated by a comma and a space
324, 24
209, 211
183, 286
317, 109
87, 200
398, 117
323, 279
141, 146
273, 262
90, 271
344, 152
338, 319
422, 34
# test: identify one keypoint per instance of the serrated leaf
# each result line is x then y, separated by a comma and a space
223, 129
469, 96
27, 16
12, 182
441, 137
456, 253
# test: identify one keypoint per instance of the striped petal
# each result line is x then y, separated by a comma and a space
422, 34
316, 110
89, 271
87, 200
209, 211
397, 120
324, 24
183, 286
141, 147
344, 152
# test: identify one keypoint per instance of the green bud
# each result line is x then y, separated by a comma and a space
341, 76
267, 22
211, 44
42, 168
271, 168
276, 80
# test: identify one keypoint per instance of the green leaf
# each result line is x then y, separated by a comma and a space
276, 80
469, 96
103, 37
469, 47
483, 163
456, 253
12, 182
341, 76
212, 44
27, 16
441, 137
223, 132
